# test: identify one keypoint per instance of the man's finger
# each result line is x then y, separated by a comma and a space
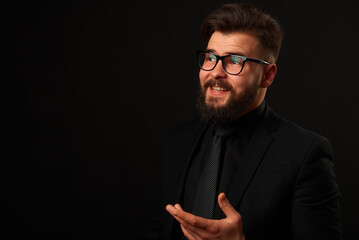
189, 234
177, 206
171, 210
227, 208
196, 232
200, 226
188, 218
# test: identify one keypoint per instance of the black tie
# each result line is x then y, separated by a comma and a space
206, 195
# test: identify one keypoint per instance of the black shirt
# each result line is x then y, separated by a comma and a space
234, 151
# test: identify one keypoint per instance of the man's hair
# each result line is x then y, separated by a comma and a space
244, 17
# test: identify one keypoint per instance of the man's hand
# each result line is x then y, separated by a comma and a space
196, 228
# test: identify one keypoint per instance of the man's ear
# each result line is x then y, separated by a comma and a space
268, 76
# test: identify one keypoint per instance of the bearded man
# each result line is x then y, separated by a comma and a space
241, 171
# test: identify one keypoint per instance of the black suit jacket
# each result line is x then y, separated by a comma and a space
285, 187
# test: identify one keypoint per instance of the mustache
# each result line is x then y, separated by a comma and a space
219, 83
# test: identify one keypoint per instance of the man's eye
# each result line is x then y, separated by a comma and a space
236, 60
212, 58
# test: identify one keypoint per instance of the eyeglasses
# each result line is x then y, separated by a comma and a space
232, 64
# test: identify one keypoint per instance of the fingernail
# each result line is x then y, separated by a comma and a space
171, 209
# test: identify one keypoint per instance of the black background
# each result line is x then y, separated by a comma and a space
90, 90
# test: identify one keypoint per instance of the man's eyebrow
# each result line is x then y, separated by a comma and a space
226, 53
210, 50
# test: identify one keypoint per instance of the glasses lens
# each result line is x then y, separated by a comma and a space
233, 64
207, 61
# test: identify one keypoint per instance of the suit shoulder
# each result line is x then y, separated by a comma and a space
299, 146
290, 131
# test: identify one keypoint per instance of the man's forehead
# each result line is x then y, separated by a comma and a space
236, 43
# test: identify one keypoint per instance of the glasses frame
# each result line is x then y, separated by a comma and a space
244, 59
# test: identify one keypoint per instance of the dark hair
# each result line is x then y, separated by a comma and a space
244, 17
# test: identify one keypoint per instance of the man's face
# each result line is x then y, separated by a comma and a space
226, 97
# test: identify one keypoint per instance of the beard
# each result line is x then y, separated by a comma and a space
234, 108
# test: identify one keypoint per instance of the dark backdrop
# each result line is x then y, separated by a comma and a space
90, 90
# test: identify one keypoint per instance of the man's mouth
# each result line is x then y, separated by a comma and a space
216, 88
217, 91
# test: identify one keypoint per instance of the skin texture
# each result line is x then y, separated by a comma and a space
240, 43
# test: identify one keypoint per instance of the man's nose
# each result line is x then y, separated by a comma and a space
218, 71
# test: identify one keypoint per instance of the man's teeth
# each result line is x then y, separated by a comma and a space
219, 89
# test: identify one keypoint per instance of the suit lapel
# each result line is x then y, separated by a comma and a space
187, 164
260, 142
188, 161
252, 159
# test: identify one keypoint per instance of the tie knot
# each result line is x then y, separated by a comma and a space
223, 132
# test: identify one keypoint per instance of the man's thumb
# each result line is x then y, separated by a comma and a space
226, 207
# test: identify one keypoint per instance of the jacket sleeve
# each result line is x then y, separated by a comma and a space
315, 208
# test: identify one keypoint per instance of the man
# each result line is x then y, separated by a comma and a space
241, 171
